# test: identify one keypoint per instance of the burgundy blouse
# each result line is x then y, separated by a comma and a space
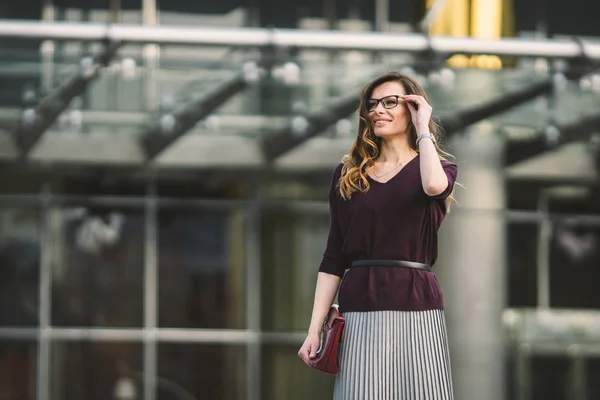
395, 220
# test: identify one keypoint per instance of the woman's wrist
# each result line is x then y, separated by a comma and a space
422, 129
425, 136
314, 329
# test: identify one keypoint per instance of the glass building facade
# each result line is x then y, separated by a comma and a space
190, 274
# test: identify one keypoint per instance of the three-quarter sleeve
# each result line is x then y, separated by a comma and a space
451, 171
332, 262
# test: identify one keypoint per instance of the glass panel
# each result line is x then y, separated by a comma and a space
285, 376
19, 72
510, 374
117, 101
13, 181
549, 378
18, 370
97, 266
292, 248
201, 372
201, 268
592, 378
20, 266
522, 265
574, 272
96, 371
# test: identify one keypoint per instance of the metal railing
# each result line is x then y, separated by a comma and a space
309, 39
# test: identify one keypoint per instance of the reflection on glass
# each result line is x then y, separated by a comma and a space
96, 371
522, 265
549, 375
191, 371
593, 377
19, 68
97, 267
285, 376
201, 269
574, 272
17, 370
292, 248
19, 266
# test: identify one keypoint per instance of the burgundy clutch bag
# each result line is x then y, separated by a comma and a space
328, 355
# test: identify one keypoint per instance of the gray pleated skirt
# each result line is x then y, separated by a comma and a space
394, 355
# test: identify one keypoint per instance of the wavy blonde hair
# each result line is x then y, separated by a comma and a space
366, 148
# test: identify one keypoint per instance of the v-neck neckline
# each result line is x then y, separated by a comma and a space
396, 174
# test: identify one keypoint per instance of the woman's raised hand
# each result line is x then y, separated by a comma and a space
420, 111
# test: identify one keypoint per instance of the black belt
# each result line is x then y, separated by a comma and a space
391, 263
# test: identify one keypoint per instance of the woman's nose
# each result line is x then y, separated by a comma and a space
379, 107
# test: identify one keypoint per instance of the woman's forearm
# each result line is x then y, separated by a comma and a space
327, 286
433, 177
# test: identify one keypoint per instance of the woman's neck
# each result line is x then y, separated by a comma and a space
395, 150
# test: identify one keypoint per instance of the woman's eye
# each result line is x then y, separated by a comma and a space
387, 103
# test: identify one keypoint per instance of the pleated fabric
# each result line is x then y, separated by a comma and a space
394, 355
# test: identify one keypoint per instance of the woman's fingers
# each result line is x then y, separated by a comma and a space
312, 352
414, 98
304, 354
309, 349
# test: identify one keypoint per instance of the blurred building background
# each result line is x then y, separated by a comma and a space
163, 177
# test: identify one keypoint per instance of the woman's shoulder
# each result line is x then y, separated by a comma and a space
337, 170
336, 175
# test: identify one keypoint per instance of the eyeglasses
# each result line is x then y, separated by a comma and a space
387, 102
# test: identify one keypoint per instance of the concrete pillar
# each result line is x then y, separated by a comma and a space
471, 267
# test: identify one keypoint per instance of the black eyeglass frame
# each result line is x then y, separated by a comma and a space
373, 103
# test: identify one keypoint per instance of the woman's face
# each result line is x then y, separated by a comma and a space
387, 118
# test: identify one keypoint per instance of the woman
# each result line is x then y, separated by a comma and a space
387, 200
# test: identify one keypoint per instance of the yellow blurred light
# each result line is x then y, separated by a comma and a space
480, 19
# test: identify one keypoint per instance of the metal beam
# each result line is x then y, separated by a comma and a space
461, 119
327, 40
173, 125
302, 128
551, 137
34, 122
